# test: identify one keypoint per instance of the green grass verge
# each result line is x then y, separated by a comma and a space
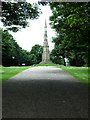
80, 73
7, 72
50, 64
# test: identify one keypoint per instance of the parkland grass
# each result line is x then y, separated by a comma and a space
49, 64
80, 73
7, 72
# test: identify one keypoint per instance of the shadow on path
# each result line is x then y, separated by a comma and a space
44, 92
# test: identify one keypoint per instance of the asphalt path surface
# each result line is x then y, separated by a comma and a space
44, 92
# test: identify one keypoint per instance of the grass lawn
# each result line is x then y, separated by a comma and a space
8, 72
50, 64
80, 73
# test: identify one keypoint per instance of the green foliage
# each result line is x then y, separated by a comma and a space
71, 22
8, 47
56, 57
15, 15
36, 54
41, 2
13, 55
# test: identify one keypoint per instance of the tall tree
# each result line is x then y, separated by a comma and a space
8, 48
56, 57
0, 47
36, 53
12, 54
71, 22
15, 15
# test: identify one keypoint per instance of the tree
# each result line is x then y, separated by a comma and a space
0, 48
36, 54
71, 22
56, 57
8, 48
15, 15
24, 58
12, 54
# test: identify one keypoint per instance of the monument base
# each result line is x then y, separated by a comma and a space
45, 62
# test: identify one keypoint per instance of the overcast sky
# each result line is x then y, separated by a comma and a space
28, 37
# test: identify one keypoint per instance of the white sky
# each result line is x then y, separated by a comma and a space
28, 37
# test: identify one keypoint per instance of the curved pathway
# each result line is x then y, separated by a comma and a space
44, 92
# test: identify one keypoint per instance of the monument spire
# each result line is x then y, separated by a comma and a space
45, 23
45, 54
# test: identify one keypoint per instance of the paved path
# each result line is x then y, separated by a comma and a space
44, 92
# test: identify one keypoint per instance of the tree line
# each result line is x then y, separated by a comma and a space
14, 55
15, 16
71, 21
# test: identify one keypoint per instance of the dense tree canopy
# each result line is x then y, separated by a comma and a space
11, 52
56, 57
14, 55
36, 53
72, 24
16, 15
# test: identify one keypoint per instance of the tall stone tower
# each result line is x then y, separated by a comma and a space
45, 54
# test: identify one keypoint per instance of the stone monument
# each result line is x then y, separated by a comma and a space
45, 54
